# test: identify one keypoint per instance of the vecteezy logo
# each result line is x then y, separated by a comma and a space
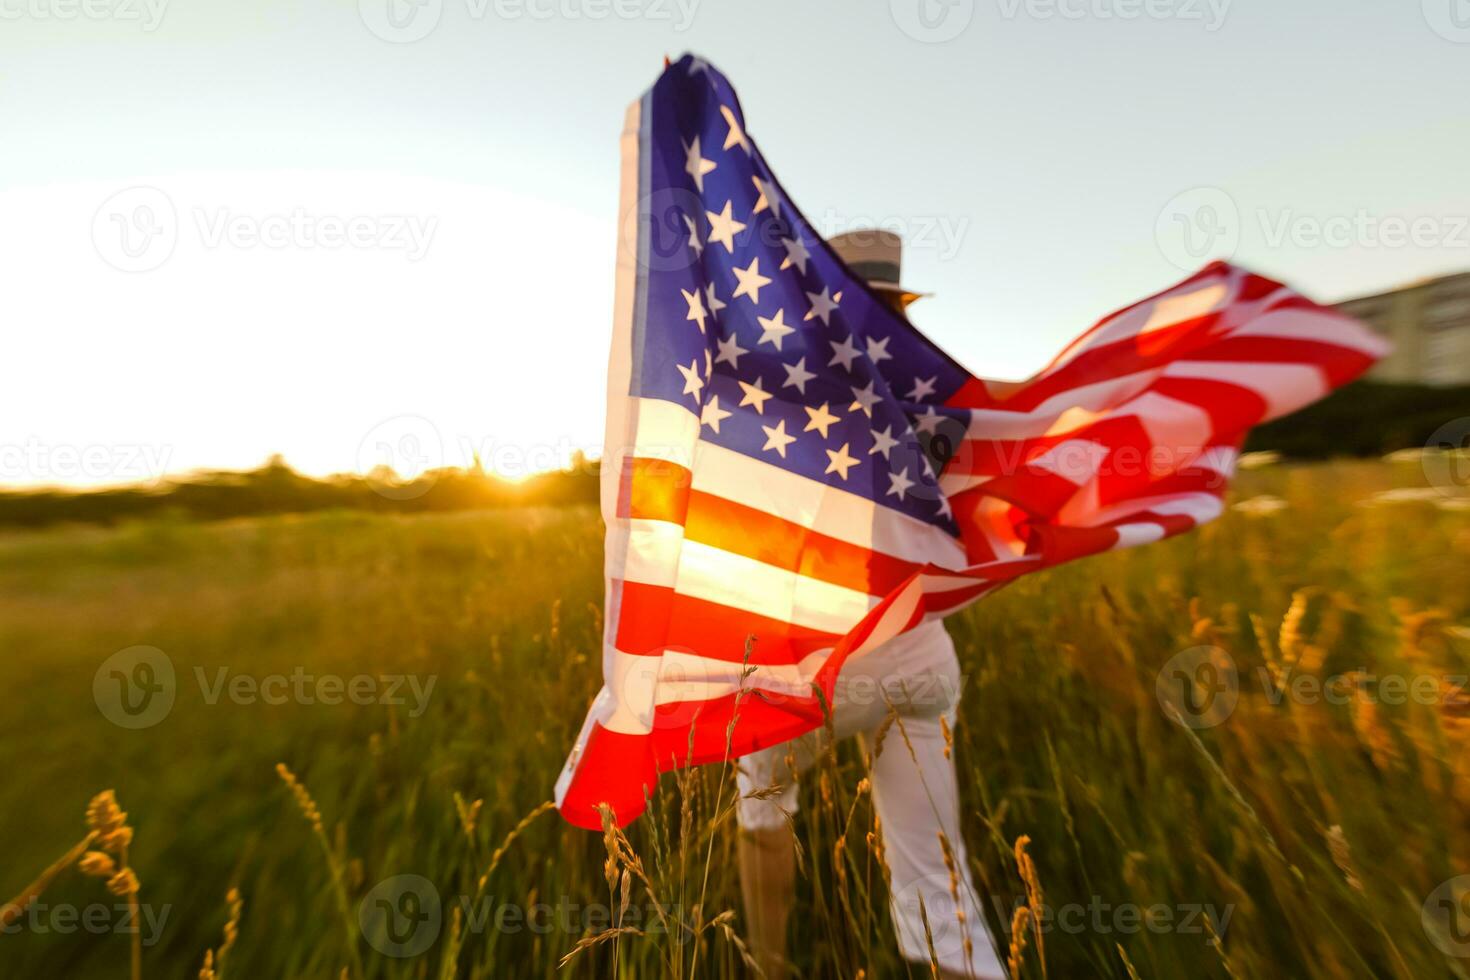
401, 916
399, 456
666, 229
1450, 19
1198, 225
1445, 916
135, 230
932, 21
1198, 687
401, 21
135, 688
1447, 460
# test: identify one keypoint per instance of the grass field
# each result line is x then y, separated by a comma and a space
1307, 831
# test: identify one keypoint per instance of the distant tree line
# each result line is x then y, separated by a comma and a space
277, 489
1368, 419
1361, 419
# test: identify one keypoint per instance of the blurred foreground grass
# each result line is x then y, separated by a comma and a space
1308, 833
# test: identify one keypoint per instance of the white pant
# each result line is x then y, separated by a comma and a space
916, 794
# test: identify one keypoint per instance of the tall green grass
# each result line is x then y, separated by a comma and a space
1319, 829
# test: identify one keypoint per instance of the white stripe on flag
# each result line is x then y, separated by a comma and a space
714, 575
1284, 387
763, 486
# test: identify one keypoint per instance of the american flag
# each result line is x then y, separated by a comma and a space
788, 459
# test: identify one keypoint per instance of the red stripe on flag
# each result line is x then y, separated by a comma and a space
654, 490
655, 617
660, 492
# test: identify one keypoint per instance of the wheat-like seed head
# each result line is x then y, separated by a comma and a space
110, 823
1290, 638
1034, 899
232, 925
469, 814
103, 813
1342, 856
123, 883
954, 891
304, 802
887, 723
97, 865
1019, 923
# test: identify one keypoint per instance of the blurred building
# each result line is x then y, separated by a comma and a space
1428, 323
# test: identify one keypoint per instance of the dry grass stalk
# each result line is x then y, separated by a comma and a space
882, 733
449, 963
954, 892
1026, 868
13, 909
214, 960
1289, 637
620, 852
313, 815
1342, 856
515, 832
1127, 963
597, 939
929, 940
111, 832
724, 923
1373, 731
469, 816
1020, 924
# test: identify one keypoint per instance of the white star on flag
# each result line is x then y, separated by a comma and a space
776, 437
736, 135
923, 388
822, 305
866, 398
773, 328
767, 197
843, 353
695, 165
692, 381
883, 441
694, 239
730, 351
899, 483
797, 376
754, 395
821, 419
878, 350
696, 307
841, 462
928, 422
751, 281
713, 414
796, 254
723, 228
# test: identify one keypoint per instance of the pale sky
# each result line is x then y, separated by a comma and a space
376, 223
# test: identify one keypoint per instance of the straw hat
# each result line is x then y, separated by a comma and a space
877, 256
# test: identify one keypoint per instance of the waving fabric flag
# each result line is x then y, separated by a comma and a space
794, 475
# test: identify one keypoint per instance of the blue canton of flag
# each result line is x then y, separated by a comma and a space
754, 323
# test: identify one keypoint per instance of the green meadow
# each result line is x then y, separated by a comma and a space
423, 676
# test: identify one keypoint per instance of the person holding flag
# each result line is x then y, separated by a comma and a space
911, 682
798, 486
